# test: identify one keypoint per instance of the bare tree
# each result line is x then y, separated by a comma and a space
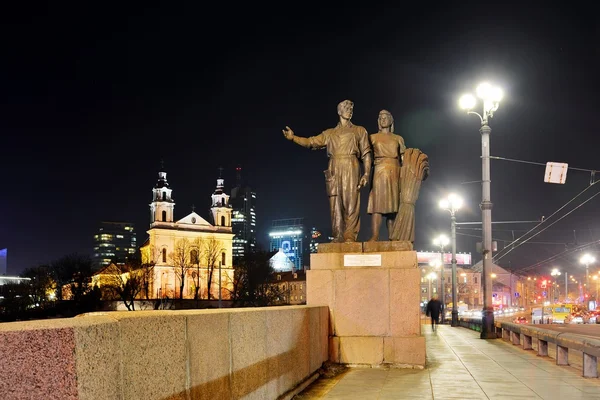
197, 247
41, 283
73, 269
253, 283
181, 262
212, 251
150, 255
124, 282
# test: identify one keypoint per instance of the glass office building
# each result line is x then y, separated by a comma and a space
288, 236
114, 242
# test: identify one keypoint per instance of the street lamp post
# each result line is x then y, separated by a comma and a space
431, 276
587, 259
555, 272
491, 97
435, 265
442, 241
452, 203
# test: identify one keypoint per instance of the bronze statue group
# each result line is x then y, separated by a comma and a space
397, 173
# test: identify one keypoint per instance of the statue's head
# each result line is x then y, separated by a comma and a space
345, 109
385, 120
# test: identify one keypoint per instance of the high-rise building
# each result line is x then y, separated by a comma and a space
114, 242
243, 203
3, 261
288, 236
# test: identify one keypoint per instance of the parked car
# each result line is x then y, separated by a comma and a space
520, 320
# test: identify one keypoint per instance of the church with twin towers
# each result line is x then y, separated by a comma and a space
196, 249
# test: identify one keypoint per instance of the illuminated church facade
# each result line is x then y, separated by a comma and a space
190, 249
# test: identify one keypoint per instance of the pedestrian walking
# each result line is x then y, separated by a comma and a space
434, 307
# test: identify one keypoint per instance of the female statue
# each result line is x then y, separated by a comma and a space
384, 198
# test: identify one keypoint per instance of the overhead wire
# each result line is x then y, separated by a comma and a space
516, 243
560, 255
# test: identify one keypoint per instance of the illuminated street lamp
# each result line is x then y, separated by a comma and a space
435, 264
586, 260
431, 276
442, 241
452, 204
491, 97
555, 272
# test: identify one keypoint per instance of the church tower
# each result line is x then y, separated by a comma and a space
220, 209
162, 206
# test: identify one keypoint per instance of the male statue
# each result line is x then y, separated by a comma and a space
347, 146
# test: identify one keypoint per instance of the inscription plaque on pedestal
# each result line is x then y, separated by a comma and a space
362, 260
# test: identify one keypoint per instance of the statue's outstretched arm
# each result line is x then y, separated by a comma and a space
314, 142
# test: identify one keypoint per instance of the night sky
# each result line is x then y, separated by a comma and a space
94, 97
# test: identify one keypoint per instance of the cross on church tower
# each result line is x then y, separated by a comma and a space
193, 208
220, 172
162, 164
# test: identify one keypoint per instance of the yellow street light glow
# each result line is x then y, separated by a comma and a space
493, 275
444, 204
467, 102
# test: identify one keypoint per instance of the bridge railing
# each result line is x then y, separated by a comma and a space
519, 334
588, 346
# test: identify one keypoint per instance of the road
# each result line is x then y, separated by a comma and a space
592, 330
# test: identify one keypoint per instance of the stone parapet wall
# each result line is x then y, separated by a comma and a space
252, 353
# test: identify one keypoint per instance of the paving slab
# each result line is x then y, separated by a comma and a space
460, 365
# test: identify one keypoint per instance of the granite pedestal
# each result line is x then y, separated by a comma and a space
372, 290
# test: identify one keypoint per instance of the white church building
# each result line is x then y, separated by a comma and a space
190, 248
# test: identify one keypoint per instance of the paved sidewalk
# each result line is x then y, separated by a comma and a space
461, 366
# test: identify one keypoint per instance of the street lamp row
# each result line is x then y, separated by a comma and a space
452, 203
